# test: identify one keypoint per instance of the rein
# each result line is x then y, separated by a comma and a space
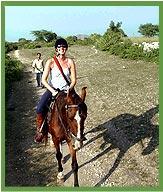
68, 132
61, 118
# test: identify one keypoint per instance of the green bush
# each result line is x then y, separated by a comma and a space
152, 56
34, 44
134, 52
13, 70
86, 41
129, 50
71, 40
108, 40
120, 48
125, 49
10, 47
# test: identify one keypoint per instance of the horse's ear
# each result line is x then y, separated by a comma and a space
68, 99
83, 93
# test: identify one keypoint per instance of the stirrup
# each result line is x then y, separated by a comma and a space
39, 137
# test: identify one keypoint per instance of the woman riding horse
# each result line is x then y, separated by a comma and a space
68, 110
57, 82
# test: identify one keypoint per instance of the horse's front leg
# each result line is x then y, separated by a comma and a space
74, 164
60, 176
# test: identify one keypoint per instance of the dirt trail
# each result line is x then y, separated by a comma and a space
113, 153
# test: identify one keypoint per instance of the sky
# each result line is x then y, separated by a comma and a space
74, 20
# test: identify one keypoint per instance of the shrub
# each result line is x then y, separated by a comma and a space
108, 40
10, 47
13, 70
152, 56
121, 48
86, 41
71, 40
113, 43
129, 50
134, 52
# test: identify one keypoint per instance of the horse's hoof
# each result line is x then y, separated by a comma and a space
60, 178
38, 138
76, 185
60, 181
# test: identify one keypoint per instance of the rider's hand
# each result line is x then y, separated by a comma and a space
69, 88
54, 93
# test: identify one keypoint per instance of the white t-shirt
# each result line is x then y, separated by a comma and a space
38, 65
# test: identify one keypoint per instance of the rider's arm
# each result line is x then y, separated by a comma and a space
73, 73
45, 77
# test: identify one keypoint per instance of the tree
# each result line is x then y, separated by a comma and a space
44, 35
111, 37
94, 37
149, 30
71, 39
116, 28
9, 46
23, 40
113, 27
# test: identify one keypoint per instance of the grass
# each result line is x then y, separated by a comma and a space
144, 39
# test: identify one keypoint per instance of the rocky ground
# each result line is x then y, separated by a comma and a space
121, 128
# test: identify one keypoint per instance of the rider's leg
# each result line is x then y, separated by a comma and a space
41, 115
39, 119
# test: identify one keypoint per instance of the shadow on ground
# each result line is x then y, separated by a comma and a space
123, 132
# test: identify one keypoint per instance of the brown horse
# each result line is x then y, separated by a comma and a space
67, 123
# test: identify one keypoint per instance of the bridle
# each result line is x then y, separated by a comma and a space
69, 132
74, 106
71, 106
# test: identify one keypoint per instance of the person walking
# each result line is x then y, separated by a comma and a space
38, 68
56, 82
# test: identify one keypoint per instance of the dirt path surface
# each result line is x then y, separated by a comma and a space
121, 127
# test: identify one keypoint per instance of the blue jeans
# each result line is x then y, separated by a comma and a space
42, 105
39, 78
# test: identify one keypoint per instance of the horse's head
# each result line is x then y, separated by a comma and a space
76, 114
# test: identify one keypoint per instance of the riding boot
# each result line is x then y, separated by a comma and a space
39, 119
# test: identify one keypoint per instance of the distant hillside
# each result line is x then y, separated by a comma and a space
82, 37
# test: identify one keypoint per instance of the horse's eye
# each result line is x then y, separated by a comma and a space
81, 115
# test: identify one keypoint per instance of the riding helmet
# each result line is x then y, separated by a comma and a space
61, 41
